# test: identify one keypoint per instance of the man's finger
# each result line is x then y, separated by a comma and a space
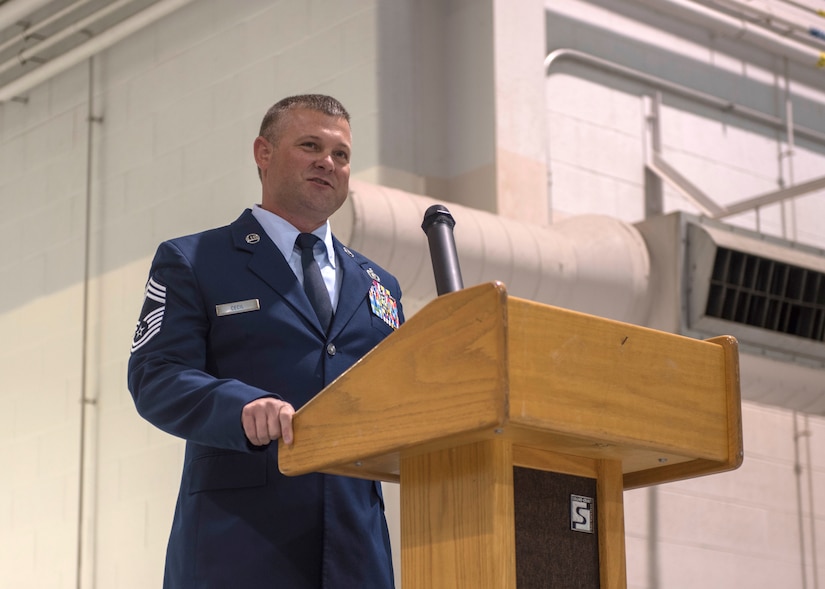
249, 430
261, 426
249, 421
285, 419
273, 426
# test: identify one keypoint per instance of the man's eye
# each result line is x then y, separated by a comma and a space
342, 155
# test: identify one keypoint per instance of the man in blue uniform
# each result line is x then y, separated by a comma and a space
233, 338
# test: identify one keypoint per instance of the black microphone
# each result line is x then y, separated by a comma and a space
438, 225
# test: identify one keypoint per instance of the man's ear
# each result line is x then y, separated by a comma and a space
262, 149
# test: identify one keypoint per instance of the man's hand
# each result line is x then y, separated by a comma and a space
267, 419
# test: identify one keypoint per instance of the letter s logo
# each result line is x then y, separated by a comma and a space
581, 518
581, 514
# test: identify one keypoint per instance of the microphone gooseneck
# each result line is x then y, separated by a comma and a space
438, 225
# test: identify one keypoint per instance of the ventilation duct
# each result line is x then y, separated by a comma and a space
592, 263
668, 273
712, 279
767, 292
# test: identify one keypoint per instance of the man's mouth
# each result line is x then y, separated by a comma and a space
320, 181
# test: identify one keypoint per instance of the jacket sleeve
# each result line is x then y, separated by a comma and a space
167, 374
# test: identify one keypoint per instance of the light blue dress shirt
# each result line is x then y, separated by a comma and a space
283, 234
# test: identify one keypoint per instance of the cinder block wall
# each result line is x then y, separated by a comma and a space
597, 118
41, 256
180, 103
759, 526
762, 525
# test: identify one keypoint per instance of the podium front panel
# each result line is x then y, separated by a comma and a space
557, 542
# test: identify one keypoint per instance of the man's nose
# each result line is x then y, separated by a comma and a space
326, 162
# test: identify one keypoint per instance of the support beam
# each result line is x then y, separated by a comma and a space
772, 197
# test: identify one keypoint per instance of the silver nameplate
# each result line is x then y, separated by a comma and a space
238, 307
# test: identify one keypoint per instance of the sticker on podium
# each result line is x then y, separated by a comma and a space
581, 514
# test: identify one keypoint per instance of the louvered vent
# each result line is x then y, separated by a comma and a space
710, 278
766, 293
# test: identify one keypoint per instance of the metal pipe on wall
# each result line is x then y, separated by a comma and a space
76, 27
786, 125
773, 21
737, 29
91, 47
29, 30
85, 549
13, 11
679, 90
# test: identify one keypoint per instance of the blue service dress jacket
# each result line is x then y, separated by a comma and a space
225, 321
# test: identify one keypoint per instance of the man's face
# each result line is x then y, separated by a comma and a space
305, 173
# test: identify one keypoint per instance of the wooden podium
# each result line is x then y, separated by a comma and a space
481, 403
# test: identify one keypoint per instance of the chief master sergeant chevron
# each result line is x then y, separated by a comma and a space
229, 345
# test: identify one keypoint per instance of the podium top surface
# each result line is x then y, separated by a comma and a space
477, 363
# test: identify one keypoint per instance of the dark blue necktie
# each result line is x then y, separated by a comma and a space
313, 281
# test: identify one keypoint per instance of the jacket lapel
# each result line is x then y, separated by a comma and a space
269, 265
355, 285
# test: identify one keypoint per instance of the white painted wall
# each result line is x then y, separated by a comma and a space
754, 527
180, 103
597, 119
762, 525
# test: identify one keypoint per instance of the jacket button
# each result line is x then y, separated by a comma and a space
331, 349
